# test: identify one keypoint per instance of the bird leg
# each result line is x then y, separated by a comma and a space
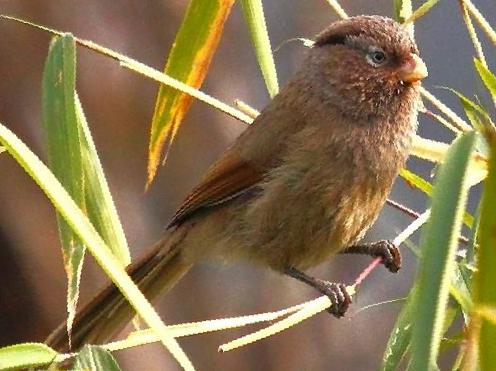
336, 292
385, 249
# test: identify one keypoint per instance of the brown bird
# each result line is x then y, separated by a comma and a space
304, 182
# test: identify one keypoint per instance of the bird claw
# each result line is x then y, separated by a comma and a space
337, 294
390, 254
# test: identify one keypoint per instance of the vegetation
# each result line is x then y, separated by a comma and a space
454, 280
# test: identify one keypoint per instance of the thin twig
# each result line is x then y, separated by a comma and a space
415, 214
442, 120
472, 33
473, 36
147, 71
246, 108
483, 23
403, 208
338, 9
455, 119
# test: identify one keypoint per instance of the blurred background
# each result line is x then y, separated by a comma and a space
119, 106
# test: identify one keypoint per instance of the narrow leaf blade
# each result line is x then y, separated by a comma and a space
421, 10
487, 77
80, 224
64, 151
485, 278
94, 358
189, 59
99, 203
438, 245
21, 356
399, 339
254, 15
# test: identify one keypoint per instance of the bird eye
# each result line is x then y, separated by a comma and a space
376, 57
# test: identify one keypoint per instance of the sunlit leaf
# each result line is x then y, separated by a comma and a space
99, 203
485, 277
399, 339
254, 15
426, 187
94, 358
22, 356
438, 244
75, 162
82, 227
64, 152
402, 10
421, 11
189, 59
477, 115
460, 289
487, 77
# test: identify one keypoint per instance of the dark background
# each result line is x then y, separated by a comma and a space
119, 105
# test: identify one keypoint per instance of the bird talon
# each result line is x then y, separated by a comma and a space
339, 297
390, 254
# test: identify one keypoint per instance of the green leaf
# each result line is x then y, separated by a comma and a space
189, 59
418, 182
460, 290
399, 339
477, 115
438, 244
402, 10
487, 77
64, 151
21, 356
254, 15
70, 147
485, 278
86, 232
99, 203
421, 11
94, 358
397, 10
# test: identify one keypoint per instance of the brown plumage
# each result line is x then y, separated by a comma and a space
303, 182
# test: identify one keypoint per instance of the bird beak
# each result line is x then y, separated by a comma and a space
413, 69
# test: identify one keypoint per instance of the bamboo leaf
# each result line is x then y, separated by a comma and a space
146, 71
254, 15
402, 10
99, 203
94, 358
475, 113
438, 245
487, 77
399, 339
22, 356
64, 152
85, 231
397, 11
421, 11
73, 157
423, 185
485, 277
189, 59
487, 313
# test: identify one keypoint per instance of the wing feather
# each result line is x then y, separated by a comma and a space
228, 178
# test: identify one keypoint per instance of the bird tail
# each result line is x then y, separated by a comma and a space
102, 318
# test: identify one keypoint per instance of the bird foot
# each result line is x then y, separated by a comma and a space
389, 252
385, 249
337, 294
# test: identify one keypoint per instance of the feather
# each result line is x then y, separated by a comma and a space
227, 179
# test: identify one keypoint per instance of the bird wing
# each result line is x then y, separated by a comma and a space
228, 178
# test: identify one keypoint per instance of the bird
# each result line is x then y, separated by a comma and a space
301, 184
